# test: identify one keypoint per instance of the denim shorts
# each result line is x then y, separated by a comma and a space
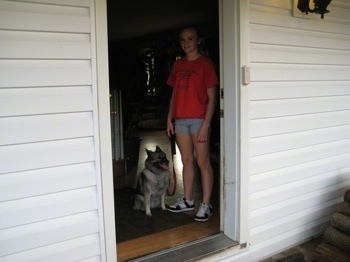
188, 125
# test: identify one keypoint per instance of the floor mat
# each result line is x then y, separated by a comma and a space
132, 224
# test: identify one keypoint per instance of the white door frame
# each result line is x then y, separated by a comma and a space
106, 201
234, 29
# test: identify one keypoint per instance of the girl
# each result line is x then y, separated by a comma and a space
192, 105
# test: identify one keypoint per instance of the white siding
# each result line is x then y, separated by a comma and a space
299, 122
49, 172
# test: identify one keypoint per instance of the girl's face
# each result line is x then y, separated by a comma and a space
189, 40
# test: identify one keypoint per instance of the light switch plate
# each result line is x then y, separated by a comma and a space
246, 75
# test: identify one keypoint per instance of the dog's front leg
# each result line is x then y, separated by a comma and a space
162, 201
148, 204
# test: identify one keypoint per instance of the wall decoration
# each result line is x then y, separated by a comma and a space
320, 6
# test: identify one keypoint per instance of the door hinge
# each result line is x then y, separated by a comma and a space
221, 113
221, 93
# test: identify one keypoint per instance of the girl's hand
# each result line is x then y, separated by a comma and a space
203, 134
170, 128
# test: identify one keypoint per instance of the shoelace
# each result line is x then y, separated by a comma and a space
179, 202
203, 210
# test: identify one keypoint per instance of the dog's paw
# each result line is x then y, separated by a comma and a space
149, 214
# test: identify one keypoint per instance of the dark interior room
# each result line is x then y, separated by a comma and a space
143, 44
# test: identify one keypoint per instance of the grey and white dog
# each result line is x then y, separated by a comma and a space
152, 182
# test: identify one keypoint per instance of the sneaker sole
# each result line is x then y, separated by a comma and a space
203, 219
180, 210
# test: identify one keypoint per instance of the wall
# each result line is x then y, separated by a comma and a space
50, 207
299, 122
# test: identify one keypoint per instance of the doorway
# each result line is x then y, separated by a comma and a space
140, 57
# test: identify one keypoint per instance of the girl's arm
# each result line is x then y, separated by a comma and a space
204, 131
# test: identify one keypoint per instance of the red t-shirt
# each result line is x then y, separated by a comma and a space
190, 81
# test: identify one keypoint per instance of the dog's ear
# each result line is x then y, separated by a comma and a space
158, 149
148, 152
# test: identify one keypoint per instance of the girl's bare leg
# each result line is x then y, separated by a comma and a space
203, 160
185, 144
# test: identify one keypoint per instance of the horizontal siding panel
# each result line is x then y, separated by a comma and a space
44, 73
281, 125
298, 55
264, 7
44, 17
313, 216
46, 100
15, 130
71, 250
336, 165
282, 242
271, 196
34, 235
282, 90
282, 20
85, 3
299, 106
37, 45
92, 259
294, 205
49, 202
289, 72
39, 208
292, 157
276, 143
45, 181
299, 122
282, 36
23, 157
273, 3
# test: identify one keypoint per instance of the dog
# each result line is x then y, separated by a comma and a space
152, 182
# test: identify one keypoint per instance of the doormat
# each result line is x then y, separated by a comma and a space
132, 224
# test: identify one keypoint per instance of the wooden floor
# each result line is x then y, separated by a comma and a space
173, 237
170, 238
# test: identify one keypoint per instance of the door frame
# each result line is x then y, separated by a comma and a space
234, 46
105, 181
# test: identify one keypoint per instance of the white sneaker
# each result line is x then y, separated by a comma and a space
204, 213
181, 205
